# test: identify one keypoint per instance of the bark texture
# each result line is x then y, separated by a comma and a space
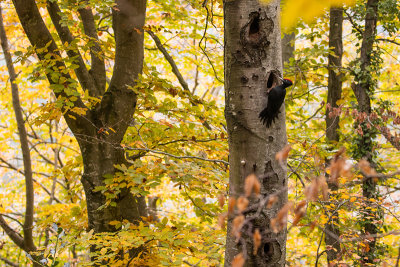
334, 68
332, 119
288, 46
253, 63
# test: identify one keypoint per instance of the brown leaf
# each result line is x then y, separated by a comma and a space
221, 200
299, 212
237, 224
231, 204
251, 184
271, 201
335, 169
297, 219
366, 168
238, 261
242, 203
311, 191
279, 222
257, 188
282, 155
301, 207
221, 220
339, 167
323, 186
317, 185
256, 241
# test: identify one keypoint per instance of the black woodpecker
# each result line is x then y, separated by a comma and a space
275, 99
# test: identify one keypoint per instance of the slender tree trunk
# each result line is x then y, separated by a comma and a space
332, 119
26, 242
253, 63
362, 90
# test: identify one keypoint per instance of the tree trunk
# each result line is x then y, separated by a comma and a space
99, 160
288, 47
253, 63
332, 120
362, 90
100, 131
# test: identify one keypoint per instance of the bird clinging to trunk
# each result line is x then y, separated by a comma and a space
275, 99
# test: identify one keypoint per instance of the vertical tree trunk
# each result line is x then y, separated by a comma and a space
99, 160
335, 77
288, 47
332, 118
253, 63
362, 89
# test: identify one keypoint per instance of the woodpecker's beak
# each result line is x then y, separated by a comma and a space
280, 78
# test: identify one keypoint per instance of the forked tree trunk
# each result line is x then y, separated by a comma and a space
253, 63
101, 129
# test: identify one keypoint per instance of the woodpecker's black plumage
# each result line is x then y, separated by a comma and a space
275, 99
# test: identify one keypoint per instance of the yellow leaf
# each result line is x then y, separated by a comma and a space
308, 10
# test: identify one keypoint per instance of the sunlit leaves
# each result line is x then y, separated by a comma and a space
307, 10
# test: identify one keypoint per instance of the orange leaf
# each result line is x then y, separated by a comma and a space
271, 201
257, 241
221, 200
221, 220
237, 224
238, 261
251, 184
242, 203
279, 222
231, 204
282, 155
366, 168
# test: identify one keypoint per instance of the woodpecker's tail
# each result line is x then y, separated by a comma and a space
267, 117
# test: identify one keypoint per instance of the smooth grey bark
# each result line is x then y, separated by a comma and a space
253, 63
100, 151
332, 119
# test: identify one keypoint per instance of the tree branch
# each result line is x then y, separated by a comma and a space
12, 234
179, 157
29, 203
170, 60
387, 40
8, 262
352, 22
47, 50
98, 70
118, 103
66, 36
176, 71
10, 166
